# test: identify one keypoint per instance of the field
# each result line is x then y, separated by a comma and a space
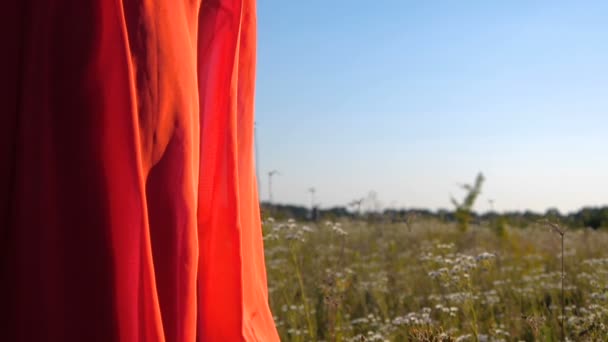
429, 281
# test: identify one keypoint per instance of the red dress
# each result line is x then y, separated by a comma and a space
128, 200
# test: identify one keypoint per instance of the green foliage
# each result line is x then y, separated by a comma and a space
464, 209
588, 217
499, 225
591, 217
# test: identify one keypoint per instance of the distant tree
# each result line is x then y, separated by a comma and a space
464, 208
591, 217
445, 215
335, 213
553, 214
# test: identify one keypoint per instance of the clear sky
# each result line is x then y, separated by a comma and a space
410, 98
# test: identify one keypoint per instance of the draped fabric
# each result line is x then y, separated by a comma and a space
128, 199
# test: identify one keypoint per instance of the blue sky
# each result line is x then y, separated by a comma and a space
410, 98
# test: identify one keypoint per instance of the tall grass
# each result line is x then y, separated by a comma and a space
427, 281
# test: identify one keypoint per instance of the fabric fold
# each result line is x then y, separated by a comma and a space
129, 208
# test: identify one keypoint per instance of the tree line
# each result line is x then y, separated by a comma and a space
587, 217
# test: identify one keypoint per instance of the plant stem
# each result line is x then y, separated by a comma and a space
304, 299
563, 296
562, 232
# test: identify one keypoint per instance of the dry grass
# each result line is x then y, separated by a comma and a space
426, 281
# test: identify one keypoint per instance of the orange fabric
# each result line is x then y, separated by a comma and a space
128, 200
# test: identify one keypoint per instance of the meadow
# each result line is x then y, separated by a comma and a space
425, 280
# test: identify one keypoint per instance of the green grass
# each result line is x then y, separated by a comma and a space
352, 281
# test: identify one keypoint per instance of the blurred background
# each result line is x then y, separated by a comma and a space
408, 99
434, 170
